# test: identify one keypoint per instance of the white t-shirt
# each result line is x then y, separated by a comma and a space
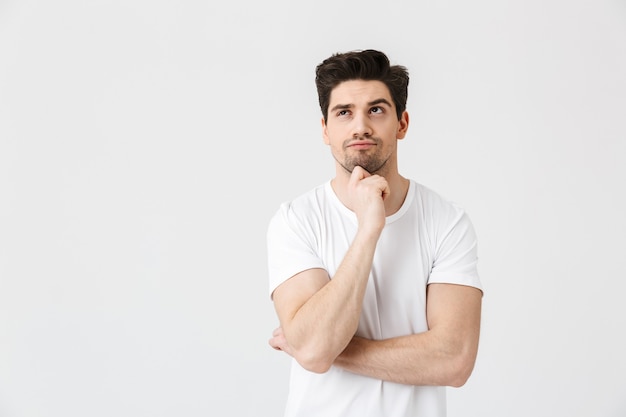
429, 240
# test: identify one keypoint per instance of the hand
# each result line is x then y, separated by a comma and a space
367, 194
279, 342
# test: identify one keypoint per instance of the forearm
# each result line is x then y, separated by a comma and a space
324, 325
444, 355
420, 359
319, 316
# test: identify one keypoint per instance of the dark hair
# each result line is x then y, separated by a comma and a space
361, 65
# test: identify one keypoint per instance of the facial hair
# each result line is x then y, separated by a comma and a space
370, 160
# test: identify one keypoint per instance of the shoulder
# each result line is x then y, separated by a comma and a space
309, 200
302, 209
431, 201
438, 213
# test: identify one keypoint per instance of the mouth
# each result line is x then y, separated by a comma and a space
361, 145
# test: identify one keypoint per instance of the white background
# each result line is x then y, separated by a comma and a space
145, 144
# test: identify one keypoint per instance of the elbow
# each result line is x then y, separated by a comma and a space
315, 362
317, 367
460, 371
459, 379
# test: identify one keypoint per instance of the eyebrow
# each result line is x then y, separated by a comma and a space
379, 101
371, 103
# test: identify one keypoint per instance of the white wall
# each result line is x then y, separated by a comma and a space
145, 144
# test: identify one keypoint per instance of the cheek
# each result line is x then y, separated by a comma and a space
332, 137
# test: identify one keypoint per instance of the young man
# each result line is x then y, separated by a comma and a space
373, 276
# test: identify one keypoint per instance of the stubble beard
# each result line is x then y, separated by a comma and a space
370, 160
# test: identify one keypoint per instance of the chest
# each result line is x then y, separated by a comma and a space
395, 299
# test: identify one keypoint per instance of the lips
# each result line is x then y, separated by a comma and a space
361, 144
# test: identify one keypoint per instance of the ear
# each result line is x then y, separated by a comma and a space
325, 132
403, 125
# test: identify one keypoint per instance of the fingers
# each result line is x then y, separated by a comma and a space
273, 343
386, 191
366, 195
277, 341
359, 174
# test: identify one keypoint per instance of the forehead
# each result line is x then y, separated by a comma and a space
359, 91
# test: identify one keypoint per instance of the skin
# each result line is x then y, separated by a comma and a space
319, 316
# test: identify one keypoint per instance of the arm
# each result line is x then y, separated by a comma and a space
443, 355
319, 316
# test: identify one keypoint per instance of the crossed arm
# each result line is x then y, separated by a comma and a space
319, 318
443, 355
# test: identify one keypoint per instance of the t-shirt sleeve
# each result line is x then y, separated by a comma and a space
456, 256
290, 247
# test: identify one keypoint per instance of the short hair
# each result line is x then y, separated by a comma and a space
365, 65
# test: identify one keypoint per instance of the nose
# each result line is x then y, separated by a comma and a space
361, 127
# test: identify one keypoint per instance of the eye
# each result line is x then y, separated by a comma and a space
342, 112
377, 110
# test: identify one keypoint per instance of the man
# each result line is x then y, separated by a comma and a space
373, 276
